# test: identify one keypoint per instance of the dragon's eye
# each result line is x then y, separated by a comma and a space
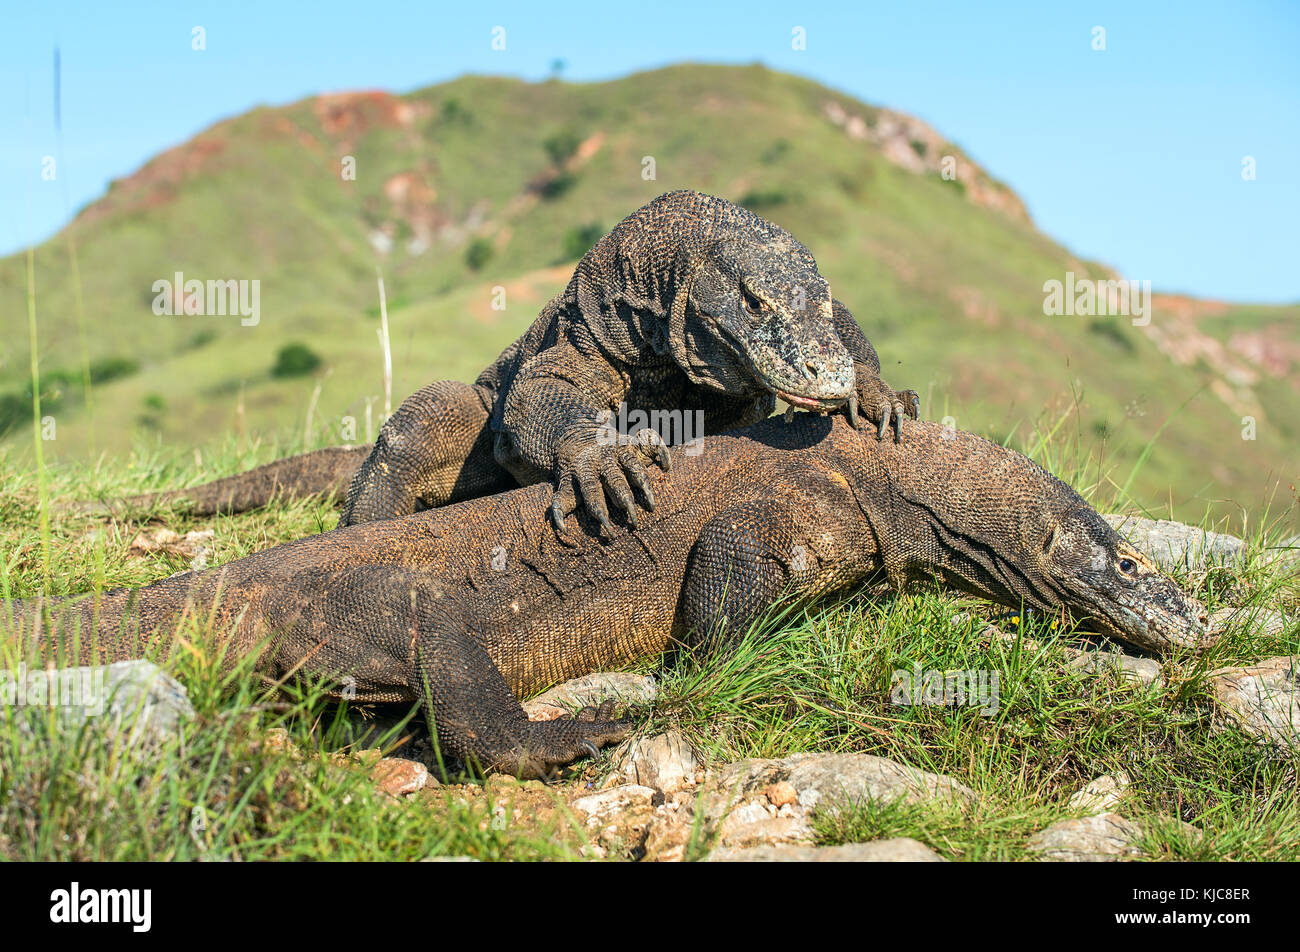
1127, 566
752, 304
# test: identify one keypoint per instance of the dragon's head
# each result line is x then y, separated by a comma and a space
1100, 576
759, 318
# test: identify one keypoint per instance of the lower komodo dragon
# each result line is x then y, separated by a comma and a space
691, 305
470, 607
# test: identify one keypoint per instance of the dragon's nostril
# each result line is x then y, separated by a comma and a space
811, 367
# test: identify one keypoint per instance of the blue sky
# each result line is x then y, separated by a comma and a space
1132, 155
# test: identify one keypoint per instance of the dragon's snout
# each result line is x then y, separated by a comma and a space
813, 374
1124, 590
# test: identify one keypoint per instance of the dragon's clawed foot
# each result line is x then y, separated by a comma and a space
599, 463
881, 405
558, 743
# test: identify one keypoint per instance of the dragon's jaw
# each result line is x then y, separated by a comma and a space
808, 371
1104, 578
1159, 621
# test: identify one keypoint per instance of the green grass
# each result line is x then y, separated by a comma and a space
217, 791
811, 679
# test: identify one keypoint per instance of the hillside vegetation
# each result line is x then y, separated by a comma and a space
485, 183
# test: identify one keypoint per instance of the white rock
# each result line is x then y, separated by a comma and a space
1128, 667
737, 807
1101, 838
136, 699
1102, 794
1262, 699
591, 690
664, 762
1265, 622
614, 801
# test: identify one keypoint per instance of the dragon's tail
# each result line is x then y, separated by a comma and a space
327, 472
102, 627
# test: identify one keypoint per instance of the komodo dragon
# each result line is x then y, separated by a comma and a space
691, 304
470, 607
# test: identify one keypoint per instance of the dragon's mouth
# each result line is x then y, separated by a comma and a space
809, 403
1159, 623
778, 377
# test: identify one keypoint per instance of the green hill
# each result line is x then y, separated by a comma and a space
485, 183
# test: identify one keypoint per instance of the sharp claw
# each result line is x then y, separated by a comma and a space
557, 515
589, 748
898, 423
649, 497
884, 423
632, 519
853, 410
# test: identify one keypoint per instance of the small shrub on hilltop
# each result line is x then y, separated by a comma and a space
561, 146
478, 253
295, 360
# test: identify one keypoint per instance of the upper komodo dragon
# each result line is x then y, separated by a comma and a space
690, 304
470, 607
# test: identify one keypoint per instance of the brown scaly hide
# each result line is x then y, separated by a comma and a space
469, 607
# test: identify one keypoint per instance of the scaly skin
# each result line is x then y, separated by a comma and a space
469, 607
690, 304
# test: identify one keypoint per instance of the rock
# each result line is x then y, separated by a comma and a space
828, 778
1101, 838
755, 822
739, 810
1264, 622
137, 699
398, 777
621, 818
901, 849
614, 801
1174, 545
781, 793
1262, 699
590, 691
664, 762
1102, 794
194, 546
1127, 667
